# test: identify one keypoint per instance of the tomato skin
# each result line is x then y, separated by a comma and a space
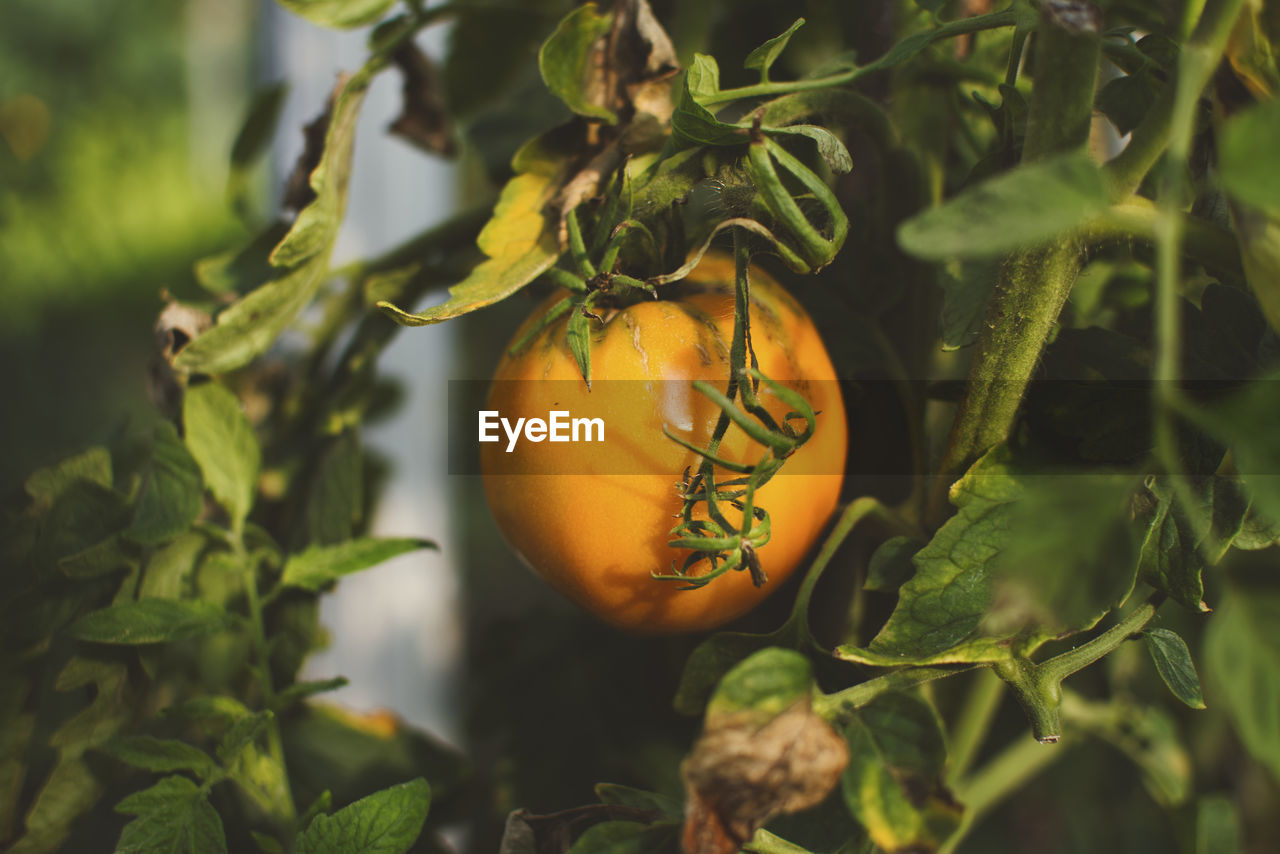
597, 535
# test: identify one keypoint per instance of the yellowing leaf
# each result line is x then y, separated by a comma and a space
519, 245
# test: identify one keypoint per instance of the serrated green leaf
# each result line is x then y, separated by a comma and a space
578, 334
173, 817
520, 245
1173, 663
172, 490
763, 57
1031, 204
319, 566
241, 735
340, 14
1246, 156
150, 621
568, 62
386, 822
893, 782
157, 754
220, 439
1242, 668
1026, 557
765, 684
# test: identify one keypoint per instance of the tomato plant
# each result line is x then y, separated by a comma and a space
598, 529
1040, 242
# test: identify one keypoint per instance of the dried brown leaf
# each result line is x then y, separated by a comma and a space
741, 774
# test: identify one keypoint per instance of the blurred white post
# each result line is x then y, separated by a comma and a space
396, 629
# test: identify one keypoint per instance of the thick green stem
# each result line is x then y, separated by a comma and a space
1066, 74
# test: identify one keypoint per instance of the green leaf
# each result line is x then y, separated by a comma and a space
765, 684
1174, 553
386, 822
1173, 662
579, 337
299, 691
150, 621
1027, 557
169, 570
1218, 826
319, 566
1028, 205
156, 754
893, 782
1242, 667
249, 326
830, 148
625, 837
693, 122
173, 816
891, 564
46, 485
240, 270
220, 439
340, 14
767, 54
520, 246
626, 796
964, 301
1246, 156
708, 663
172, 490
569, 60
241, 735
1244, 421
333, 503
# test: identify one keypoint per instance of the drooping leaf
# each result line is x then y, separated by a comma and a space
694, 123
893, 782
386, 822
568, 62
250, 326
341, 14
763, 57
219, 437
320, 566
1242, 668
172, 490
518, 242
1031, 204
1246, 156
161, 755
150, 621
174, 817
1173, 662
830, 148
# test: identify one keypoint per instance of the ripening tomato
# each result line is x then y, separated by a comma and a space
594, 518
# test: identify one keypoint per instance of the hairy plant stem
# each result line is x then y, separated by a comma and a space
288, 812
1038, 687
1032, 285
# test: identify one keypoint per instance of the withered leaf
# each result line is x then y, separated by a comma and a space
741, 774
424, 119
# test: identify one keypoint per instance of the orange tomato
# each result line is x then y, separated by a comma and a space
594, 518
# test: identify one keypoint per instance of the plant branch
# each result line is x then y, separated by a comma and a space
839, 706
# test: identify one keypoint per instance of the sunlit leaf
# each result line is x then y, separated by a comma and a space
568, 62
320, 566
342, 14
